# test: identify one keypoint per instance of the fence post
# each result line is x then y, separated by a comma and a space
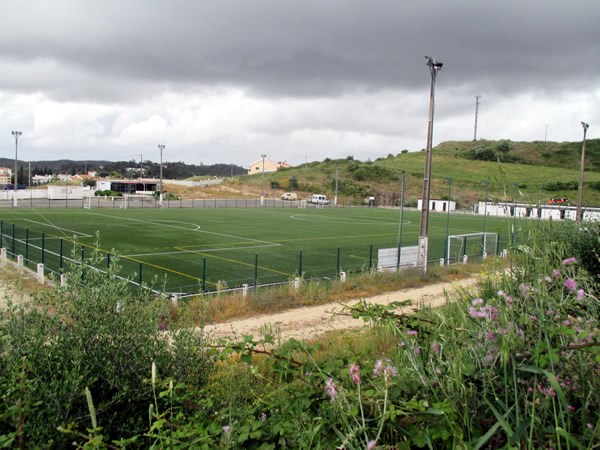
337, 264
140, 278
204, 274
63, 280
245, 289
26, 244
1, 234
60, 257
43, 247
300, 264
442, 262
175, 300
13, 238
297, 282
20, 261
40, 273
255, 269
370, 257
465, 259
342, 277
2, 255
107, 260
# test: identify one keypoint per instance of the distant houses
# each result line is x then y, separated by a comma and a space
266, 165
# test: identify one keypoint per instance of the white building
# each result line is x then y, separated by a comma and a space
438, 205
545, 212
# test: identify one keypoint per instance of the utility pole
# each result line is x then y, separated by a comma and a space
16, 134
434, 67
141, 166
263, 156
546, 133
161, 147
335, 201
477, 97
581, 170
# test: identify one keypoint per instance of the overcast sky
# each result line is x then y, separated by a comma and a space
225, 81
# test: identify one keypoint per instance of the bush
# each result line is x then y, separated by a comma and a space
96, 333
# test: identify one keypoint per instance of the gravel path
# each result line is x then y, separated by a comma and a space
310, 322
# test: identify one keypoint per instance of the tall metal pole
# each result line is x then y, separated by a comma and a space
546, 133
484, 239
263, 156
335, 200
401, 220
448, 221
16, 134
161, 147
434, 67
578, 215
477, 97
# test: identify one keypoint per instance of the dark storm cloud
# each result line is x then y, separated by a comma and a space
120, 51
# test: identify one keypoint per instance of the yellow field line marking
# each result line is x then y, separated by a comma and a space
238, 262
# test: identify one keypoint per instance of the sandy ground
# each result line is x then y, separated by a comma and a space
311, 322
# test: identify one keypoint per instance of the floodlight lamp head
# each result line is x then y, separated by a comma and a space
585, 125
434, 63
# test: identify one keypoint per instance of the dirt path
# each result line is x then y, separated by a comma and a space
310, 322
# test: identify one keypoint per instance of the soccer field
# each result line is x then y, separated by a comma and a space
194, 249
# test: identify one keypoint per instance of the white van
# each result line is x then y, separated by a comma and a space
289, 196
319, 199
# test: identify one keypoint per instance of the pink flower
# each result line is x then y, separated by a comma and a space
435, 347
417, 350
355, 373
580, 294
509, 300
501, 293
226, 429
548, 279
391, 371
371, 445
331, 388
568, 261
378, 368
411, 333
477, 301
571, 408
571, 284
490, 336
555, 273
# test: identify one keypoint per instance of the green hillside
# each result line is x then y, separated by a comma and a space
526, 171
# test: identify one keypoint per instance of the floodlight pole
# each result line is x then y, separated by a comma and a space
486, 183
448, 221
434, 67
16, 134
578, 214
263, 156
161, 147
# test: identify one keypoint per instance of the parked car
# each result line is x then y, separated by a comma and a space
558, 201
289, 196
319, 199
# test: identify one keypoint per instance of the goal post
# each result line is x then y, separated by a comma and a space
470, 244
87, 203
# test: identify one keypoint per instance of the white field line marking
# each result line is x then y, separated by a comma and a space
345, 220
188, 229
201, 250
78, 233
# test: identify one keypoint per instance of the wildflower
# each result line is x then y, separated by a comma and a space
477, 301
590, 426
508, 300
571, 408
411, 332
524, 290
555, 273
489, 359
568, 261
355, 373
378, 368
435, 347
417, 350
226, 429
474, 313
533, 318
501, 293
580, 294
489, 312
490, 336
371, 445
548, 279
571, 284
331, 388
391, 371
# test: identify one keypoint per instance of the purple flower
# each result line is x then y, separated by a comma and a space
490, 336
411, 333
571, 284
580, 294
568, 261
355, 373
371, 445
555, 273
417, 350
509, 300
331, 388
477, 301
391, 370
378, 368
435, 347
474, 313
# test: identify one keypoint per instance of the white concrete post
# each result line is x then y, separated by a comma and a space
20, 261
2, 255
40, 273
465, 259
484, 255
342, 277
441, 262
504, 253
63, 280
297, 283
245, 289
175, 300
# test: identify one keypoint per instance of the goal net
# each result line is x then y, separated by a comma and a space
302, 204
471, 245
87, 203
